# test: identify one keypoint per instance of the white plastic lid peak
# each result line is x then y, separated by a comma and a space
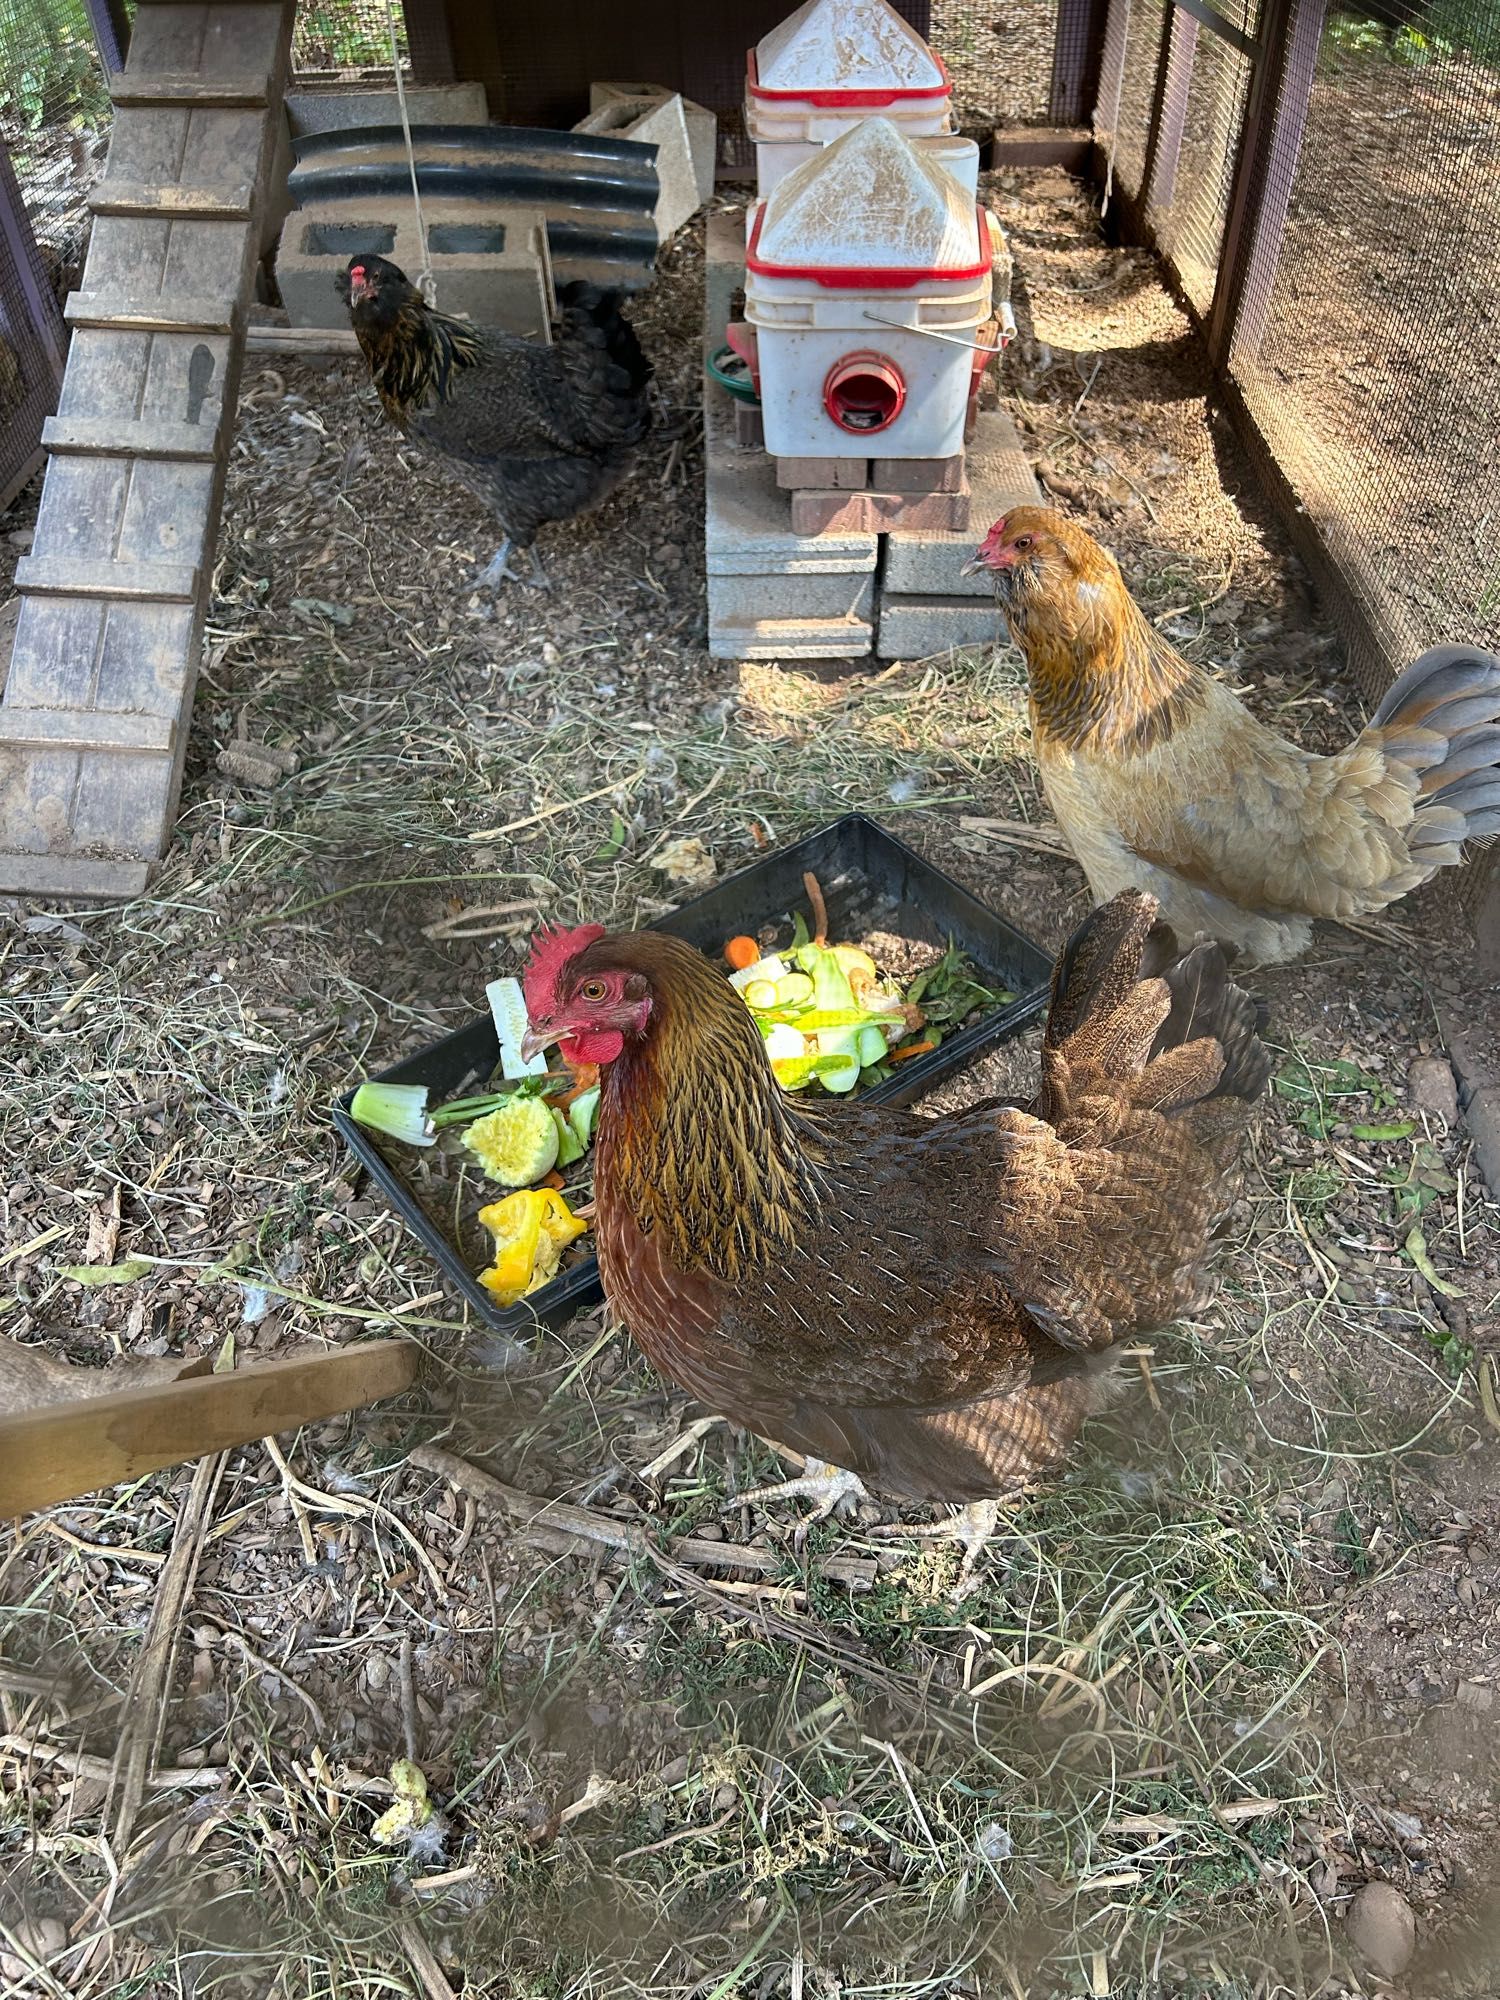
846, 45
872, 200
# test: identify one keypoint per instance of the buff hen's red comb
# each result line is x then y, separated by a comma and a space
550, 952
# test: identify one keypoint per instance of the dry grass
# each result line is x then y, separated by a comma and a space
1123, 1766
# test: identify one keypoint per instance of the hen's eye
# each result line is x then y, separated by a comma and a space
1023, 541
593, 989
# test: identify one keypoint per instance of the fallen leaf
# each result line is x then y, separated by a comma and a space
107, 1274
686, 862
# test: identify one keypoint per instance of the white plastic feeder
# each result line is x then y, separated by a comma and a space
831, 64
855, 262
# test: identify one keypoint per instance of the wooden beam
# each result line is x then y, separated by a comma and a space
131, 437
202, 93
65, 1450
88, 729
122, 314
171, 202
1068, 147
1077, 48
261, 339
86, 576
64, 877
1164, 149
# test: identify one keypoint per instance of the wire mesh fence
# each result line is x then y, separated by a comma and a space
349, 41
1322, 183
999, 54
1374, 370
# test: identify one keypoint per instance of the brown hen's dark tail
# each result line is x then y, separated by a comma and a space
1135, 1016
1441, 720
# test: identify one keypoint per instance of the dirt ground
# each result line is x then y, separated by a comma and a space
1238, 1664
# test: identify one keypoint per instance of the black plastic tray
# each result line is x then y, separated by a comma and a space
870, 880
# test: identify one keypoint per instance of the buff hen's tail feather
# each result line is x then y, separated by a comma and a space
1136, 1018
1440, 720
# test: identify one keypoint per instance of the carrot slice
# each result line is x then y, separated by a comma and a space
742, 952
911, 1049
552, 1180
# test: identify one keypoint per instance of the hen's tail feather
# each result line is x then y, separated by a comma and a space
1134, 1014
1441, 721
594, 326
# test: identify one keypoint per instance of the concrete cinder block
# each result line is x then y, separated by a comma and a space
352, 110
845, 474
918, 475
684, 134
911, 628
807, 597
925, 562
791, 639
495, 271
818, 512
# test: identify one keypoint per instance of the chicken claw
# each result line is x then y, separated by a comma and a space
971, 1526
829, 1485
499, 570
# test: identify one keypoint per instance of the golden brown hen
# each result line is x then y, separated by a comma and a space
925, 1302
1161, 778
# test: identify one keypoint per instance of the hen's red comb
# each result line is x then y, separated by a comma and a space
550, 952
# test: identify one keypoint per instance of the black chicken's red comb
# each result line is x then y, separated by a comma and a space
551, 950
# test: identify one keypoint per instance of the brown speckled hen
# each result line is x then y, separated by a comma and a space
921, 1302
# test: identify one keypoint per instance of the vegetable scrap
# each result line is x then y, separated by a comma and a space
531, 1230
828, 1015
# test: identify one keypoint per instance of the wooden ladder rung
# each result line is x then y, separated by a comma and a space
117, 312
73, 875
132, 437
84, 576
87, 729
208, 93
174, 202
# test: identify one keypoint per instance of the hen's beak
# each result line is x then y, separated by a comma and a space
974, 565
535, 1040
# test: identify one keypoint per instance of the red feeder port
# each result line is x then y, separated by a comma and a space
864, 393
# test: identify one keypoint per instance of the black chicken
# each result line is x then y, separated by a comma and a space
537, 433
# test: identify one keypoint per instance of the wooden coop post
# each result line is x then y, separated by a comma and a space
1291, 32
111, 25
34, 338
1164, 148
93, 723
1077, 56
428, 41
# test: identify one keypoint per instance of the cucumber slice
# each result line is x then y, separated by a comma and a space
517, 1144
508, 1011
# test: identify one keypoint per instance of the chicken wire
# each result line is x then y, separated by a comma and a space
1204, 93
1000, 55
348, 41
1372, 366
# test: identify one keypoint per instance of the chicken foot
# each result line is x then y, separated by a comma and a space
829, 1485
499, 570
971, 1526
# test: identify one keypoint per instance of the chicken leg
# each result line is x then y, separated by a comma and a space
971, 1526
829, 1485
499, 570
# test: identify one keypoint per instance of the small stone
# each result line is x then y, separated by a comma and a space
1476, 1696
1382, 1929
725, 1797
1431, 1087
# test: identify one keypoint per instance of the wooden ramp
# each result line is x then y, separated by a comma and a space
93, 723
